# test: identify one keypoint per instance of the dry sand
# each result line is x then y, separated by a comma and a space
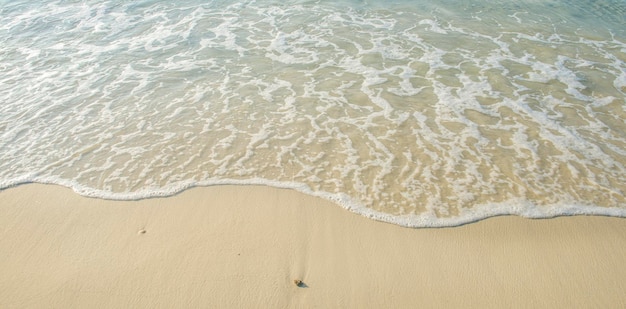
227, 247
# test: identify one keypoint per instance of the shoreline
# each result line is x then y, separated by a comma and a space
243, 246
428, 220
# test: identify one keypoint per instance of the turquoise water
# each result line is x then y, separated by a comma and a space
418, 113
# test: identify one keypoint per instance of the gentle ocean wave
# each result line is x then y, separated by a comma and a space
415, 113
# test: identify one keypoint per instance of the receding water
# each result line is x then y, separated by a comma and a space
419, 113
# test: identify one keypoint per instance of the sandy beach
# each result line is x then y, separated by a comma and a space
243, 247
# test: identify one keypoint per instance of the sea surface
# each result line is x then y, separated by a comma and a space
419, 113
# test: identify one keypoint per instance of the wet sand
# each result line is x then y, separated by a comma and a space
243, 246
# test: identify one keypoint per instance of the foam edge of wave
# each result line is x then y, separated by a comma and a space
519, 207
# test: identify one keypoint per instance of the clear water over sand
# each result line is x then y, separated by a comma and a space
420, 113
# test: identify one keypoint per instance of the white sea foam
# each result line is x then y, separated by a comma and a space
419, 115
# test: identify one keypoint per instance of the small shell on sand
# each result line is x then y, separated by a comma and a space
297, 282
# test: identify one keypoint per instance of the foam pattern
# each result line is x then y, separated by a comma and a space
415, 113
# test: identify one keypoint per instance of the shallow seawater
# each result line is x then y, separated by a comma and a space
419, 113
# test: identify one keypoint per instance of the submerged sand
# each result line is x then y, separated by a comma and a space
243, 246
